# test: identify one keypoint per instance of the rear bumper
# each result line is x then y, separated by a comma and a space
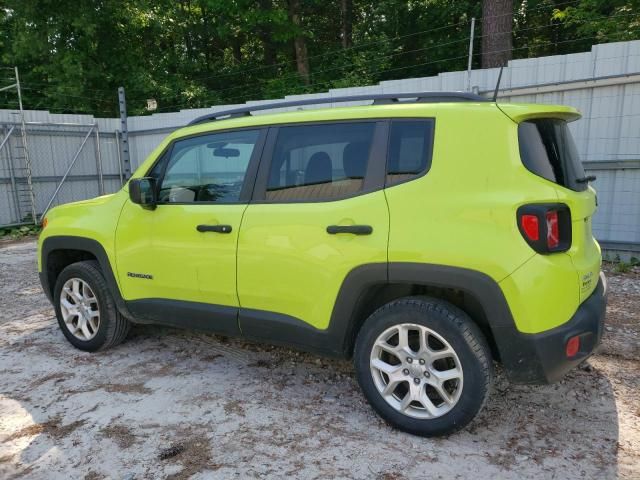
541, 358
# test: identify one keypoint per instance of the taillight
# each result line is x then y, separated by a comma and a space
546, 227
553, 233
530, 226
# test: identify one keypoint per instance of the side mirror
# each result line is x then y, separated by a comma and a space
143, 192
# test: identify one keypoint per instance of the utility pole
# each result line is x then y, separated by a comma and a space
469, 63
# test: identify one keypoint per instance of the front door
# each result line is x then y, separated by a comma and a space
318, 212
181, 257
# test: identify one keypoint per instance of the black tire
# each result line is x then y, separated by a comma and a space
462, 334
113, 327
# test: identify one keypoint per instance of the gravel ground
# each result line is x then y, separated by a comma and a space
175, 404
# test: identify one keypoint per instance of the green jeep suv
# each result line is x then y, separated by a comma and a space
425, 236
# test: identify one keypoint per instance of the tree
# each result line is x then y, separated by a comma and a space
346, 11
299, 42
497, 30
73, 56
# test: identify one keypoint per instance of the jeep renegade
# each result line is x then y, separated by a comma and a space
424, 238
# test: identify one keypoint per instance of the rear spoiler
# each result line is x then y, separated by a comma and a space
519, 112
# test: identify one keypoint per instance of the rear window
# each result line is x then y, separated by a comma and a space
547, 149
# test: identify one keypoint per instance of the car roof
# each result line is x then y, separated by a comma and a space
404, 109
517, 112
377, 98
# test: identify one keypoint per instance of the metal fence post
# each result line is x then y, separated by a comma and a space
469, 63
99, 161
117, 134
126, 159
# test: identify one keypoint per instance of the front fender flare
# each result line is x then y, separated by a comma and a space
83, 244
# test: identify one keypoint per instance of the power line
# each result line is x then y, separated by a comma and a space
216, 94
361, 45
342, 67
377, 42
294, 75
520, 30
334, 52
329, 82
592, 37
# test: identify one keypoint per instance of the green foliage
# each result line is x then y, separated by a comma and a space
620, 266
196, 53
19, 232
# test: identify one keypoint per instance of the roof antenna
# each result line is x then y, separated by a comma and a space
495, 92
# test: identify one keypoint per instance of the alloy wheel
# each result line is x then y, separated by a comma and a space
80, 309
416, 371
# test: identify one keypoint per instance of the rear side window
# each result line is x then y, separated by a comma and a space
319, 162
547, 149
410, 149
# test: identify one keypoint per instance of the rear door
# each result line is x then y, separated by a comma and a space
318, 212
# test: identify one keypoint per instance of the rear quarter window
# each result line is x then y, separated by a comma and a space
410, 150
547, 149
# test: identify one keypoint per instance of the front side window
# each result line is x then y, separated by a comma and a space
319, 162
208, 168
410, 149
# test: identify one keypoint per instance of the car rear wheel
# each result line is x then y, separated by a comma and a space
85, 309
424, 366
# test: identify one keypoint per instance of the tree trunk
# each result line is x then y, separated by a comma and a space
497, 25
236, 48
299, 42
346, 10
265, 35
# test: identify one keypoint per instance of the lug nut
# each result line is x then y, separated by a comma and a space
409, 360
422, 361
427, 374
416, 380
405, 371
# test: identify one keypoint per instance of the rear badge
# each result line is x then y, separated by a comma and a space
587, 280
146, 276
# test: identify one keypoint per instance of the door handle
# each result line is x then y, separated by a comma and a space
353, 229
214, 228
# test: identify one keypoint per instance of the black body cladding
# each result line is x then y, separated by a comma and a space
527, 358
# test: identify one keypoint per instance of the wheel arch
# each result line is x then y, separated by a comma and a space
58, 252
366, 289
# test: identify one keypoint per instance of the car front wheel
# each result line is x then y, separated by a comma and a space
85, 308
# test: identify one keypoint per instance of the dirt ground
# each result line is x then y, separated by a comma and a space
176, 404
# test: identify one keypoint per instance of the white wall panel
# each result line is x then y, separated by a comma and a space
608, 132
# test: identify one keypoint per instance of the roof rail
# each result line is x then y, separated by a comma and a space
378, 99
